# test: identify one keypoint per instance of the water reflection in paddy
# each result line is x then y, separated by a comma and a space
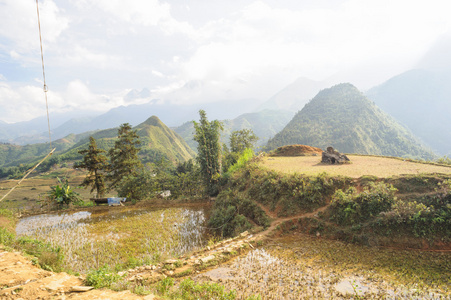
122, 235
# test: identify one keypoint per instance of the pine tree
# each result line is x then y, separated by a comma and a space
208, 150
95, 161
124, 159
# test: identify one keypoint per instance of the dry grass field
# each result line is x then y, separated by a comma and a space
35, 188
381, 167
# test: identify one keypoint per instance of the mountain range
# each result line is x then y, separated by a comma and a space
157, 141
420, 99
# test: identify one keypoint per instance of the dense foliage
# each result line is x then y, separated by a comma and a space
123, 156
208, 151
63, 193
234, 213
95, 162
427, 217
242, 139
350, 207
293, 193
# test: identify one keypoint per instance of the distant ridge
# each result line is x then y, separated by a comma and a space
157, 141
421, 100
344, 118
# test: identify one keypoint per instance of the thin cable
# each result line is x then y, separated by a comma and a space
43, 75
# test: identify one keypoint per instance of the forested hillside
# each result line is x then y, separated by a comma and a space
344, 118
421, 100
265, 124
157, 142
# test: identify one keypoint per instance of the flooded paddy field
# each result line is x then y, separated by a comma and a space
304, 267
119, 237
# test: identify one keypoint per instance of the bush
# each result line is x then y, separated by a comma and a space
293, 192
429, 217
189, 290
102, 277
231, 213
62, 193
242, 160
351, 207
137, 187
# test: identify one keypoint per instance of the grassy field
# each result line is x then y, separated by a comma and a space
382, 167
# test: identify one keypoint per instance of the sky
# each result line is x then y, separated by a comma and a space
196, 51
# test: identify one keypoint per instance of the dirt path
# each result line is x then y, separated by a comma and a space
277, 221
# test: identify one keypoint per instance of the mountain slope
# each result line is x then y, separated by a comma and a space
421, 100
157, 137
264, 124
344, 118
157, 141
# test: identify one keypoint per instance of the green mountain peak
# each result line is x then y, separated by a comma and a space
342, 117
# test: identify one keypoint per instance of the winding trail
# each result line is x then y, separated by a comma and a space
277, 220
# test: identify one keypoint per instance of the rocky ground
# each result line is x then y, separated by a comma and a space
20, 279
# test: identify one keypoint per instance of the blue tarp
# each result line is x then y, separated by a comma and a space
115, 201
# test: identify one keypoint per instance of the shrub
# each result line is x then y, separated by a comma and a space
189, 290
62, 193
102, 277
242, 160
231, 213
428, 217
351, 207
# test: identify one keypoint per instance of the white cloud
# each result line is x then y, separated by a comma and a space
185, 55
18, 23
21, 103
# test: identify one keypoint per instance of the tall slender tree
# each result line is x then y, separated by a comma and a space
95, 161
208, 150
124, 159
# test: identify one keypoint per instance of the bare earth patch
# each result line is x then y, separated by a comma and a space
360, 165
20, 279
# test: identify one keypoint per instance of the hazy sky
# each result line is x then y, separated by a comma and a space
187, 51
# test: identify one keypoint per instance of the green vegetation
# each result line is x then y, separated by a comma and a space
288, 194
47, 256
351, 207
427, 217
157, 142
95, 162
123, 156
265, 124
246, 155
188, 289
234, 213
242, 139
208, 151
103, 277
344, 118
62, 193
445, 160
235, 209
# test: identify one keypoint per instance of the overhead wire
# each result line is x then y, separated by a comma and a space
43, 74
47, 109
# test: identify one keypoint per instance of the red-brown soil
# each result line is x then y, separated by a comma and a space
296, 150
